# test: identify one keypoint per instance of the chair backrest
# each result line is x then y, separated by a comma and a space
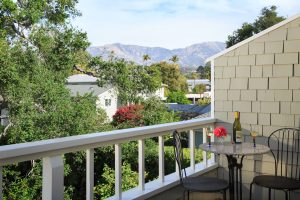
285, 147
179, 155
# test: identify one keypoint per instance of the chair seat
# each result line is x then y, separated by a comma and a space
205, 184
277, 182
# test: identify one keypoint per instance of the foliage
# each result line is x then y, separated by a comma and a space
174, 59
107, 189
128, 116
178, 97
204, 101
129, 79
267, 18
199, 89
204, 72
192, 75
171, 76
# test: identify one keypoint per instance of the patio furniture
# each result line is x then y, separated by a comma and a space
235, 154
195, 184
285, 146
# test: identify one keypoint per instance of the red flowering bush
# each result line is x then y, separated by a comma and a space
128, 116
220, 131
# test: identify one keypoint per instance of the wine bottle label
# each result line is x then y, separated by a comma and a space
239, 136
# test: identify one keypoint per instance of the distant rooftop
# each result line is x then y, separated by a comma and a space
81, 78
198, 81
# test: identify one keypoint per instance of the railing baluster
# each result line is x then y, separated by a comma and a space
90, 174
53, 178
192, 149
161, 159
204, 140
1, 183
141, 164
118, 171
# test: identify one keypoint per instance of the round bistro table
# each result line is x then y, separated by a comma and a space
235, 152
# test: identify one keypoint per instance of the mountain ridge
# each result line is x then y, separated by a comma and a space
189, 57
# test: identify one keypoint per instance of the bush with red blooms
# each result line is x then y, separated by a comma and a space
220, 131
128, 116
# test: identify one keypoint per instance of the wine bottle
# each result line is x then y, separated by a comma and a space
237, 129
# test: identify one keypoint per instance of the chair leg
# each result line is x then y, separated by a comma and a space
286, 195
224, 194
250, 191
269, 193
188, 194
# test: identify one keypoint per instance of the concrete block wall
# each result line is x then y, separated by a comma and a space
261, 79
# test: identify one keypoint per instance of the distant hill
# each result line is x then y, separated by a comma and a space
189, 58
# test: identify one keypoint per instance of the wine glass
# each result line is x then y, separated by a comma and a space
253, 133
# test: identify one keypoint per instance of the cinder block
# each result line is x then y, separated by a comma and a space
283, 95
282, 120
274, 47
233, 61
221, 116
282, 70
265, 59
256, 48
285, 107
256, 71
267, 71
262, 38
292, 46
229, 72
219, 106
234, 94
293, 33
227, 106
295, 23
239, 83
256, 106
297, 120
242, 50
296, 95
219, 72
278, 34
286, 58
269, 107
267, 130
220, 94
243, 71
264, 119
222, 83
265, 95
296, 70
242, 106
248, 95
295, 107
248, 118
221, 61
229, 54
279, 83
247, 60
294, 83
230, 118
258, 83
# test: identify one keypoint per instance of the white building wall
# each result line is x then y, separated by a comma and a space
111, 109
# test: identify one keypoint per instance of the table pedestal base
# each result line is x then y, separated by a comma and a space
235, 177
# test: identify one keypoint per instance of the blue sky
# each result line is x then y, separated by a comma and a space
170, 23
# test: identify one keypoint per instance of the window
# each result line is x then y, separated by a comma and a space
107, 102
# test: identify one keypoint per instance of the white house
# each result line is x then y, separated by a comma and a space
107, 96
193, 82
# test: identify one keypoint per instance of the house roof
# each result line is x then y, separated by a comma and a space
284, 22
189, 108
198, 81
82, 89
81, 78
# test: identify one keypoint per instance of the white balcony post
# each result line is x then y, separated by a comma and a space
204, 154
161, 159
118, 171
1, 183
141, 164
212, 89
192, 149
53, 178
90, 174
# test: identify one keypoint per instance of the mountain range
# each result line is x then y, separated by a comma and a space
189, 57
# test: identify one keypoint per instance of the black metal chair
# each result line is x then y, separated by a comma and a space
285, 148
196, 184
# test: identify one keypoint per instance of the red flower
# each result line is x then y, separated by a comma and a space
220, 131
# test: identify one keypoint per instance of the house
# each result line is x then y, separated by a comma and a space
81, 84
193, 82
260, 77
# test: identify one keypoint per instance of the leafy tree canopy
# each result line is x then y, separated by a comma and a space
199, 89
267, 18
178, 97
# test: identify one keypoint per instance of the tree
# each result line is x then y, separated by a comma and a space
267, 18
199, 89
174, 59
178, 97
171, 76
204, 71
146, 57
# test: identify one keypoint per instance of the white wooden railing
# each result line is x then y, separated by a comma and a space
51, 152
